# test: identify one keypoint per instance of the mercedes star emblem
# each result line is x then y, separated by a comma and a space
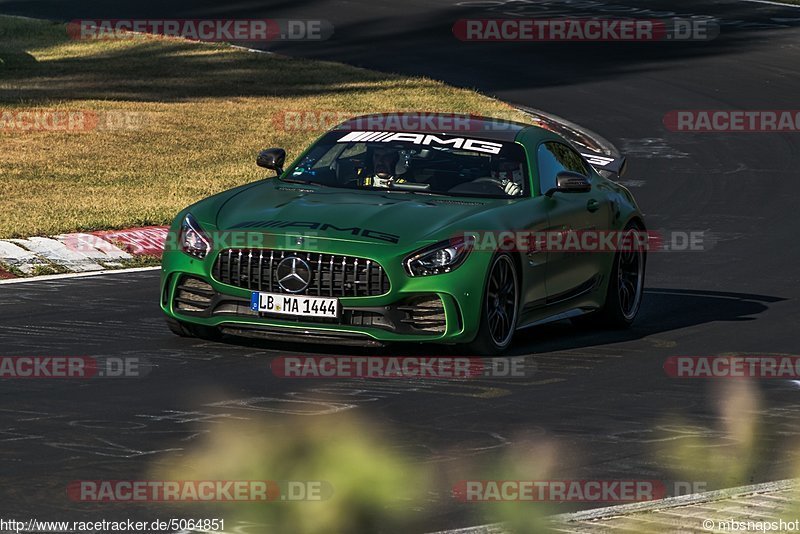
293, 274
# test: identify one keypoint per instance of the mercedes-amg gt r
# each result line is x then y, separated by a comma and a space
381, 233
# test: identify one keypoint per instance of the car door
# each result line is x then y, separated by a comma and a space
570, 272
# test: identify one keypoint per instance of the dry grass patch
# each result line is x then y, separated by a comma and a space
196, 113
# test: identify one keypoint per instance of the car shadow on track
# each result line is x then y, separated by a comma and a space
663, 310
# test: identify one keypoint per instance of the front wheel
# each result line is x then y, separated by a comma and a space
499, 308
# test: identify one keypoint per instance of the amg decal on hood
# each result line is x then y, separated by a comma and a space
322, 227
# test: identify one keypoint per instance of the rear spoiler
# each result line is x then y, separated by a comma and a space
602, 163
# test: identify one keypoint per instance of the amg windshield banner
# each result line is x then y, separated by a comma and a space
462, 143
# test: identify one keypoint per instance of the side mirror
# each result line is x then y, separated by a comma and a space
570, 182
272, 158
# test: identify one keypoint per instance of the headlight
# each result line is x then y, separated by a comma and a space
193, 241
437, 259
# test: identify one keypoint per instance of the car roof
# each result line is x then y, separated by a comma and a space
437, 123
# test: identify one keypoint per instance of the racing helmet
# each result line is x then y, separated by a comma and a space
385, 161
507, 169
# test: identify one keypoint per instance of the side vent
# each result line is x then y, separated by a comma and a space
193, 295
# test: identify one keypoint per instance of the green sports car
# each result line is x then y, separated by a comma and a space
461, 232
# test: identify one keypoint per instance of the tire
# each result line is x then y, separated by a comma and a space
179, 328
625, 289
500, 299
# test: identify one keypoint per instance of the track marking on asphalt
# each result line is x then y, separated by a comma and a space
664, 433
16, 436
660, 343
567, 362
183, 417
542, 382
87, 443
455, 388
631, 183
40, 415
255, 404
651, 147
433, 456
107, 425
111, 449
485, 393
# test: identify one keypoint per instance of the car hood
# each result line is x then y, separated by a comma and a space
381, 217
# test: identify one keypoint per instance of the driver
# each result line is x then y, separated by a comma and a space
509, 173
384, 169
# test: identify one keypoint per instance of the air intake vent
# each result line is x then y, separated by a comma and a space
193, 295
425, 313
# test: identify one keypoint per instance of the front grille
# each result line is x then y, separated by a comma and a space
331, 275
193, 295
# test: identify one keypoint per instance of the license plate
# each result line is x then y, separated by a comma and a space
294, 305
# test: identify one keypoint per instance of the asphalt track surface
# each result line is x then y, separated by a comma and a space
604, 395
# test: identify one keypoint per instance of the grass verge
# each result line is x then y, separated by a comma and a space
172, 121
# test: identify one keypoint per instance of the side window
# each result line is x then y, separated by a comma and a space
556, 157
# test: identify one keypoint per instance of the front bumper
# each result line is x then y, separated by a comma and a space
438, 309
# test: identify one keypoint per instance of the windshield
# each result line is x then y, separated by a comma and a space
440, 164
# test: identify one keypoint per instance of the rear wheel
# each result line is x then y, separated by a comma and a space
499, 308
179, 328
625, 286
